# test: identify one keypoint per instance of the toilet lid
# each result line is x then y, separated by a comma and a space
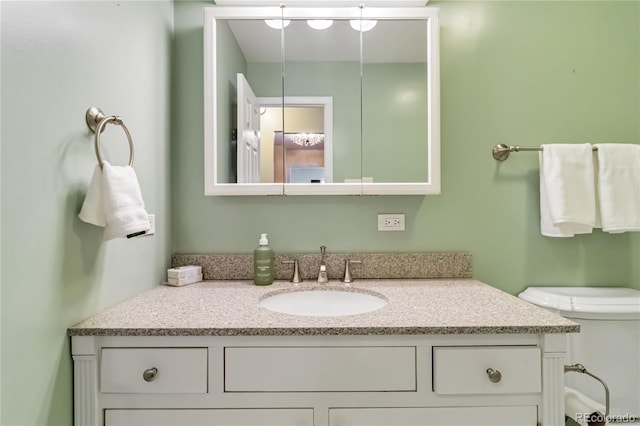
587, 302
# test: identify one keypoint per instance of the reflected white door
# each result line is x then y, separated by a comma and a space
248, 133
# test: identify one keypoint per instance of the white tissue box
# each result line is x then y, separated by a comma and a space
184, 271
177, 282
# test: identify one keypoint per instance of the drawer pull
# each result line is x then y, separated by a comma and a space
150, 374
494, 375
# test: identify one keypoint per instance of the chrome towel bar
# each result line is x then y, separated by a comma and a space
501, 151
579, 368
97, 121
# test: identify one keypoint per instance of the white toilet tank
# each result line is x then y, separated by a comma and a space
608, 344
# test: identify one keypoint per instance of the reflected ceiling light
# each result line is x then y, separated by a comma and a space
320, 24
277, 24
365, 24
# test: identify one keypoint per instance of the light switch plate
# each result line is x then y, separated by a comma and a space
152, 225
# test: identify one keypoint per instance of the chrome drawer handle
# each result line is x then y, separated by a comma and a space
150, 374
494, 375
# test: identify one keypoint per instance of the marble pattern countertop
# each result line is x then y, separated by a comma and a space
231, 308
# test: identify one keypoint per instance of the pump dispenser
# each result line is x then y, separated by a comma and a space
263, 270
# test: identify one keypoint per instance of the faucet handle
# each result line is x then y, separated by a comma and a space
348, 278
295, 278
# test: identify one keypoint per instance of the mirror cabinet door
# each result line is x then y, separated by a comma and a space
322, 133
242, 48
266, 73
394, 89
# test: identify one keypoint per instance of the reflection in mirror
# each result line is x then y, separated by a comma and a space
240, 89
306, 144
395, 93
248, 150
322, 58
382, 135
261, 149
303, 157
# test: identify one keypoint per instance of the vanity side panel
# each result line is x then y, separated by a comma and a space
554, 348
86, 408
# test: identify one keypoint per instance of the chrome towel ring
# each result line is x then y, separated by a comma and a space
97, 121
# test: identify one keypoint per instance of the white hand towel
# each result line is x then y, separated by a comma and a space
123, 205
567, 190
619, 187
92, 210
114, 201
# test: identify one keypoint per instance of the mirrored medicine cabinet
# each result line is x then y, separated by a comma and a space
321, 101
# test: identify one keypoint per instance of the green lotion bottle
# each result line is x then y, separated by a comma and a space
263, 272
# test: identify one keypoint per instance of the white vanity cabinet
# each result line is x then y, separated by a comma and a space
338, 380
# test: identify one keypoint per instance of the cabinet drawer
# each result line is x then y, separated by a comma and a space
177, 370
320, 369
463, 370
441, 416
215, 417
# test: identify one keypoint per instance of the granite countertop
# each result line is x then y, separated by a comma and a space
231, 308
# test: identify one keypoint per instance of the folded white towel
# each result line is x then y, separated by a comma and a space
619, 187
567, 190
114, 200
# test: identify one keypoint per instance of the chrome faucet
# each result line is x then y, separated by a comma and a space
296, 278
348, 278
322, 275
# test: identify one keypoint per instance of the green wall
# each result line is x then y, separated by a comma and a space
515, 72
58, 59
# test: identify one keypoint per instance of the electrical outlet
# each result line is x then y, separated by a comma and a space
152, 225
391, 222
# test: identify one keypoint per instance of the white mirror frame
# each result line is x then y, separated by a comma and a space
211, 184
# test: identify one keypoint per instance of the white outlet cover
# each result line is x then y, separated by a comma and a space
391, 222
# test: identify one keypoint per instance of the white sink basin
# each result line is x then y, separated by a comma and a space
323, 303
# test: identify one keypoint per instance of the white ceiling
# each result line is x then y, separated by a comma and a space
323, 3
388, 41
